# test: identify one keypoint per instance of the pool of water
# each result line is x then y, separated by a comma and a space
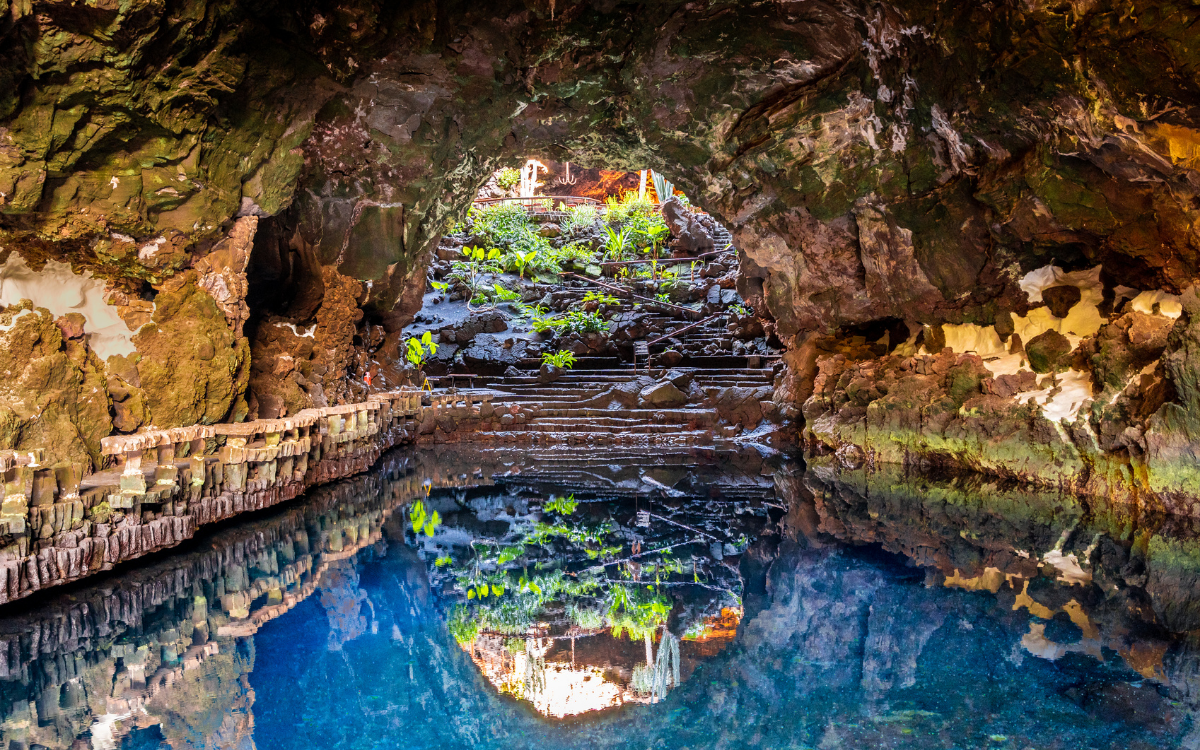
566, 599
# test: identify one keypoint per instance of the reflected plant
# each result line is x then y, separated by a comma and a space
642, 682
564, 506
585, 618
463, 625
637, 611
422, 520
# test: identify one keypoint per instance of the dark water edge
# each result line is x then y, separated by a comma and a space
876, 610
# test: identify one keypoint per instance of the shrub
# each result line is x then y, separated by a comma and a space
562, 358
579, 218
508, 177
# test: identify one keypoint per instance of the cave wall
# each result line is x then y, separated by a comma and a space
905, 165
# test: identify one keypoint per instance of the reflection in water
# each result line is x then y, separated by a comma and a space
803, 609
552, 594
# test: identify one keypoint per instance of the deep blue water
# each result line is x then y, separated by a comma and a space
802, 609
852, 650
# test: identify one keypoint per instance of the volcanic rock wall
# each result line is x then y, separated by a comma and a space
900, 167
172, 642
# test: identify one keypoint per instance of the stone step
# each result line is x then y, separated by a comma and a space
606, 416
634, 429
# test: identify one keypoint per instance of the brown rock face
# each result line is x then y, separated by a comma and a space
52, 389
223, 272
192, 369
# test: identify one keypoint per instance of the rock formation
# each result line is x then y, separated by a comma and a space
913, 169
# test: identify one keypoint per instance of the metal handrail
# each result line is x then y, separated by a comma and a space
570, 200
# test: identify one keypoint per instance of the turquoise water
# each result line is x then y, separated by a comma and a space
802, 610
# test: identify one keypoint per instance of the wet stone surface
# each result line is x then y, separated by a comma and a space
577, 597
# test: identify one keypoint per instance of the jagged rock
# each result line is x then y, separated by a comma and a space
549, 373
222, 273
489, 354
1060, 299
680, 378
691, 234
52, 390
663, 395
1048, 351
1009, 384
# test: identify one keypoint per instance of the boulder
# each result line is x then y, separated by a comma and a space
1048, 351
488, 355
669, 358
680, 378
662, 395
691, 235
549, 373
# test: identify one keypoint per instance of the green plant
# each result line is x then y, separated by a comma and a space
575, 253
419, 348
662, 297
471, 270
739, 310
505, 295
520, 260
601, 298
508, 177
579, 218
562, 505
663, 187
573, 322
616, 244
561, 358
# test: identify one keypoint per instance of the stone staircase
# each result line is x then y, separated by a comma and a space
571, 409
722, 238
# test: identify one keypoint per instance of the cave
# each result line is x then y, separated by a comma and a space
705, 373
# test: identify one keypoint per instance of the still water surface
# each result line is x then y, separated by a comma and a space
728, 599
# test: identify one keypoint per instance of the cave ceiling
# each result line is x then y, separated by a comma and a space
908, 160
